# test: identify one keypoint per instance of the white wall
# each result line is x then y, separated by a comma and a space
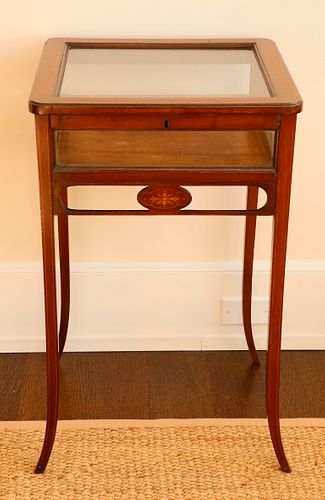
24, 26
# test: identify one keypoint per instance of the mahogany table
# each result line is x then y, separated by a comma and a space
167, 115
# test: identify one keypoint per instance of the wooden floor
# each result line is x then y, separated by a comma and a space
160, 385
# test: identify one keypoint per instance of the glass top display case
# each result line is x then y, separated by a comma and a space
164, 117
211, 72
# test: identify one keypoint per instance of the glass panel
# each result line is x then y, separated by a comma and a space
178, 73
165, 148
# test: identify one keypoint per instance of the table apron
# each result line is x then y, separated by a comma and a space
74, 176
265, 181
173, 120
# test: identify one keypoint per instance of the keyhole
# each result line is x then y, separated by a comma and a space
166, 124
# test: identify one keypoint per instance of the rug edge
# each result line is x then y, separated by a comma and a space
164, 422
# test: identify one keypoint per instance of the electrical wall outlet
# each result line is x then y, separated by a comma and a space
232, 310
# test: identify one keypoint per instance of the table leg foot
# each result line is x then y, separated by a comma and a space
47, 448
250, 230
273, 392
52, 359
275, 432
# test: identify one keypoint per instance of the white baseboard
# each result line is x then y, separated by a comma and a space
158, 306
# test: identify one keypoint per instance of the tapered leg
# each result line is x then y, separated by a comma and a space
274, 345
51, 343
250, 230
280, 231
63, 232
44, 147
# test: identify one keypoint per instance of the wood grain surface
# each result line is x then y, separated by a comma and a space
189, 384
248, 148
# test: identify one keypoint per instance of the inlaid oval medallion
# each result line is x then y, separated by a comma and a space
164, 197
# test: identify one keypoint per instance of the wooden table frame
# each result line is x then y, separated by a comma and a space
54, 113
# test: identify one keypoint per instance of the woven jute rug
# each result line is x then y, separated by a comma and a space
163, 459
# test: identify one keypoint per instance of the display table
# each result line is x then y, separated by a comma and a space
164, 115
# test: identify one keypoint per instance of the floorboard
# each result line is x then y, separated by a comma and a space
143, 385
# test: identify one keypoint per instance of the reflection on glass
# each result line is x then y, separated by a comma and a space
165, 148
177, 73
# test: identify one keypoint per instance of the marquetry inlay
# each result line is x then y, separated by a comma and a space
164, 198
